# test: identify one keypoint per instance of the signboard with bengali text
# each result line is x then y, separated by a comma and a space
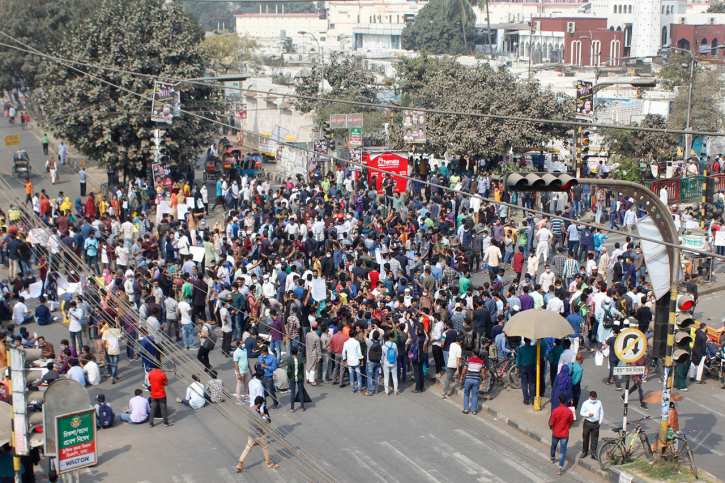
75, 435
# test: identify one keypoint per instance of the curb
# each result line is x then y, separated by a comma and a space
620, 475
589, 465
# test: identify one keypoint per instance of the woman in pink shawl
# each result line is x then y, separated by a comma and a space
91, 211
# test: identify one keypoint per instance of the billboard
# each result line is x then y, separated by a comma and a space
344, 121
355, 156
320, 146
241, 111
166, 104
390, 163
414, 130
162, 174
584, 100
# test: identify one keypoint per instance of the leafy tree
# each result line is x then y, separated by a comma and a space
706, 113
346, 82
111, 125
716, 7
444, 84
228, 52
431, 33
40, 24
637, 145
676, 71
460, 12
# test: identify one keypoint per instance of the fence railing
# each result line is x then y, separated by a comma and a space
683, 190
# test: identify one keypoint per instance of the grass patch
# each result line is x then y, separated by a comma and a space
667, 472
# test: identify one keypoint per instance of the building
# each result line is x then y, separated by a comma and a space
278, 24
705, 38
579, 41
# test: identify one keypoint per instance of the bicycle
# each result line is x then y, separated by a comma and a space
504, 373
673, 451
615, 451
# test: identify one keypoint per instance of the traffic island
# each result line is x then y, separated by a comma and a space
646, 472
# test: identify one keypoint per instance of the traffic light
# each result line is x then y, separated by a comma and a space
160, 155
682, 338
685, 304
26, 404
709, 190
327, 131
538, 182
331, 144
585, 146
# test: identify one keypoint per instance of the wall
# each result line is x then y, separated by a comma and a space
272, 25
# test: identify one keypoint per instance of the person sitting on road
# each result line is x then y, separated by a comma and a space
138, 409
196, 396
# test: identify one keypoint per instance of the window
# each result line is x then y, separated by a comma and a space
630, 9
614, 53
596, 52
576, 52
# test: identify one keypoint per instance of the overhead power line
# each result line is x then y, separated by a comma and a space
394, 107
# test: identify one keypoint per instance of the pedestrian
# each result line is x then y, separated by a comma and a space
390, 360
637, 382
353, 357
208, 341
158, 383
560, 421
419, 348
45, 141
526, 367
561, 386
593, 415
472, 375
52, 169
453, 366
241, 370
296, 377
699, 349
63, 153
374, 359
268, 364
313, 353
576, 371
257, 428
82, 178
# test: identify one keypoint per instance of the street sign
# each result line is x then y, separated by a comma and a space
75, 434
629, 371
12, 140
344, 121
630, 345
355, 136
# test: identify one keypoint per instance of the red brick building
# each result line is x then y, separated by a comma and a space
699, 38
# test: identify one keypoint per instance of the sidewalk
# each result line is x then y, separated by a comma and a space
506, 406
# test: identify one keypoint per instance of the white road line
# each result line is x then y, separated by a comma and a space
706, 446
526, 470
473, 467
188, 478
176, 479
367, 464
225, 475
424, 474
706, 407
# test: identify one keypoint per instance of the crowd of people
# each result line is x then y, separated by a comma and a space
325, 280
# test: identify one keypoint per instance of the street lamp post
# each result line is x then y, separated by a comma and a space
322, 59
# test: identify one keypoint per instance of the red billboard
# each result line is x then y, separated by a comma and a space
388, 162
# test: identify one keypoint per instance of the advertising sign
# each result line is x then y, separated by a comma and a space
241, 111
391, 163
320, 145
584, 100
166, 104
161, 174
414, 131
75, 434
355, 155
356, 136
344, 121
12, 140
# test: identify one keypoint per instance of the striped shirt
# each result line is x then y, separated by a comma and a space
474, 366
556, 226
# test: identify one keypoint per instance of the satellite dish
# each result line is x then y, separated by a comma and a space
63, 396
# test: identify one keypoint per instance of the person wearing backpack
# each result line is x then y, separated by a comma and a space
208, 342
104, 413
374, 358
390, 361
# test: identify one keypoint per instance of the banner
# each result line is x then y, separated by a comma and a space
584, 100
355, 155
166, 104
390, 163
320, 146
241, 111
162, 174
12, 140
344, 121
355, 136
414, 131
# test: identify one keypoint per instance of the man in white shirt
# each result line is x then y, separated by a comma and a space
92, 372
122, 257
127, 229
543, 236
630, 218
187, 326
256, 388
567, 356
20, 312
547, 277
195, 394
454, 363
593, 415
352, 355
555, 304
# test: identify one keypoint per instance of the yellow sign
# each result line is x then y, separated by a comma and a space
630, 345
12, 140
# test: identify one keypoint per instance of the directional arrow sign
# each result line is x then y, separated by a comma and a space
630, 345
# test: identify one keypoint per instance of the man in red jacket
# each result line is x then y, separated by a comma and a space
559, 423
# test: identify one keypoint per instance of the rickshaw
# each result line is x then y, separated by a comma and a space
213, 169
21, 166
252, 164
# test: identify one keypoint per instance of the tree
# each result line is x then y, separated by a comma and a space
705, 113
430, 32
676, 71
637, 145
229, 51
347, 83
111, 125
39, 24
716, 7
444, 84
460, 12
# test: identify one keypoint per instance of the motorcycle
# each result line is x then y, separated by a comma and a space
715, 362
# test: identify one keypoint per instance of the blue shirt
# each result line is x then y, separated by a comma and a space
82, 176
270, 361
42, 315
575, 320
76, 373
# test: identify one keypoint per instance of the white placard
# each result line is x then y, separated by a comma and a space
319, 290
720, 238
197, 253
691, 225
163, 207
181, 212
676, 219
35, 289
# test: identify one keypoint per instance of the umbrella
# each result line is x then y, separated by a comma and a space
656, 397
538, 324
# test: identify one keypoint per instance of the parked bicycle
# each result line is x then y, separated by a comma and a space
615, 451
678, 448
504, 373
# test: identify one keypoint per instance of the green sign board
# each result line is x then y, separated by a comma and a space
75, 436
355, 136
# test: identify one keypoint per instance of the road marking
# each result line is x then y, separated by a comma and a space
225, 475
176, 479
368, 464
473, 467
519, 466
706, 407
426, 476
706, 447
188, 478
